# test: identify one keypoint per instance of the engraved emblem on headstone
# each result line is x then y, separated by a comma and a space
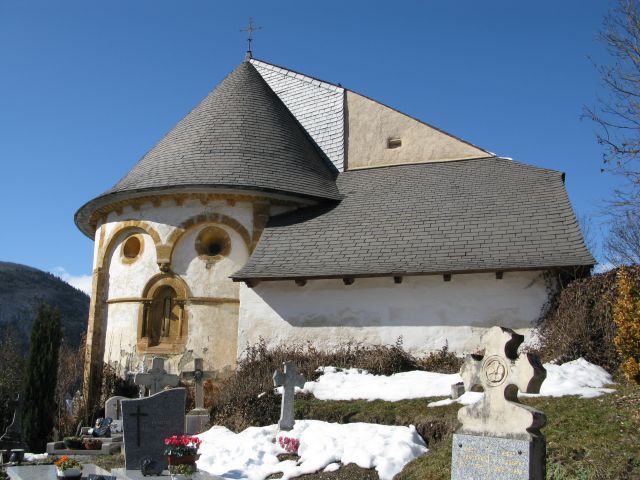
500, 438
288, 380
156, 378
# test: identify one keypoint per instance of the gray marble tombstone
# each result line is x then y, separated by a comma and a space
289, 379
500, 439
113, 410
147, 422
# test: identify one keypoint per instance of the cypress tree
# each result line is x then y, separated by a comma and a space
40, 378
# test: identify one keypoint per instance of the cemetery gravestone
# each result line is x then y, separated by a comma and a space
288, 380
499, 437
147, 422
199, 416
157, 378
113, 410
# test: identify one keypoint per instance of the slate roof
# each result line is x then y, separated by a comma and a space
460, 216
318, 106
240, 136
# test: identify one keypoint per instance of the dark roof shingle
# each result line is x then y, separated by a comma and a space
469, 215
240, 136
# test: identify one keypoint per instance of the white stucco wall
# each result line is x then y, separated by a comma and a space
424, 310
211, 318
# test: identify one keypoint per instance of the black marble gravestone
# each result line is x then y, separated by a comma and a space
147, 422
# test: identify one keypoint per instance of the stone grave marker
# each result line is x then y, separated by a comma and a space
199, 416
156, 378
147, 422
500, 438
113, 410
289, 379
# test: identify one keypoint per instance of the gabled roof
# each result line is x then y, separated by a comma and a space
240, 136
462, 216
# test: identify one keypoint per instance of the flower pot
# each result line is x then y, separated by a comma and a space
181, 476
92, 444
69, 473
182, 460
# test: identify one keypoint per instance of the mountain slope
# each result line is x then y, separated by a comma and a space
23, 288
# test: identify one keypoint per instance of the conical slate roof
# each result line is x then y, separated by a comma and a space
240, 136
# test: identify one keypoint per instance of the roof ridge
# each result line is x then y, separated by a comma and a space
346, 89
458, 160
295, 72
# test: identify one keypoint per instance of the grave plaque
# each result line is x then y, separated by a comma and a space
147, 422
499, 437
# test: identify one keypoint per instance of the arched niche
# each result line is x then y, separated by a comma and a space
163, 318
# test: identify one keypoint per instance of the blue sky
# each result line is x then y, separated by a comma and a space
87, 87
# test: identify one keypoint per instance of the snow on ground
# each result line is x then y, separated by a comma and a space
578, 377
252, 454
353, 384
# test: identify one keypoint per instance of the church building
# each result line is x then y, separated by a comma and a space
291, 209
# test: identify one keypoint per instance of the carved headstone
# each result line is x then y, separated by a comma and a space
289, 379
199, 416
113, 409
156, 378
500, 438
147, 422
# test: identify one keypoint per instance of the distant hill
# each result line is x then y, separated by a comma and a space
23, 288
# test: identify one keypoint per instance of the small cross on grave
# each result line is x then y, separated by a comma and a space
198, 376
137, 416
500, 438
288, 380
157, 378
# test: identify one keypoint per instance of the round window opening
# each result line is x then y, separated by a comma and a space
213, 242
132, 247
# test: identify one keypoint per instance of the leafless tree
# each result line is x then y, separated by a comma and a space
623, 244
617, 113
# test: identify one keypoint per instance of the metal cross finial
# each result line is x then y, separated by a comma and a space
250, 29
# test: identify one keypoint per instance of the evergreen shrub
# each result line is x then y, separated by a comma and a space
41, 378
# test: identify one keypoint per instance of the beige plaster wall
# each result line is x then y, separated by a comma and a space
212, 308
424, 310
371, 124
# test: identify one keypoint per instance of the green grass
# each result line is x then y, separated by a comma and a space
590, 439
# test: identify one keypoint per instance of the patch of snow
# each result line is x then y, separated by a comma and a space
578, 377
252, 454
35, 457
332, 467
356, 384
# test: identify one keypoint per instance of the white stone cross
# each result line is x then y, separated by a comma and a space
156, 378
288, 380
198, 375
502, 372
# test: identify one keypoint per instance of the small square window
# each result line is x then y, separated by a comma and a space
394, 143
